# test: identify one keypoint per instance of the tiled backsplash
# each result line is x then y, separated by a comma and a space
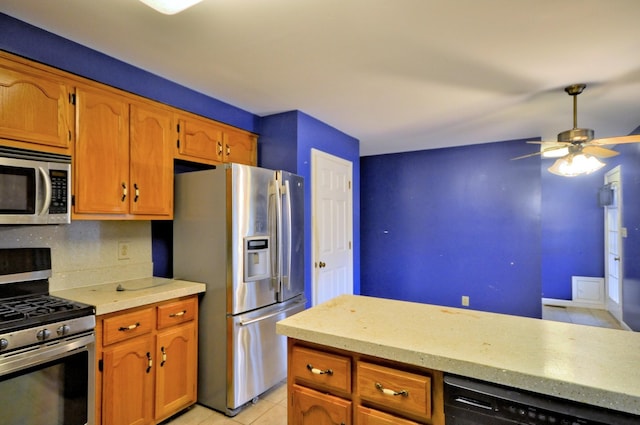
85, 253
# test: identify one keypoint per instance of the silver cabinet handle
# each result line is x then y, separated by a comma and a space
387, 391
164, 357
137, 192
129, 328
316, 371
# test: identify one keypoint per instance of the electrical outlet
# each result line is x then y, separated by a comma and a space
123, 250
465, 300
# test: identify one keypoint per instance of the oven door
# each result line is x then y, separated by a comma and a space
50, 384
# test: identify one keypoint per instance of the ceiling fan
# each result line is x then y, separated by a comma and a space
580, 146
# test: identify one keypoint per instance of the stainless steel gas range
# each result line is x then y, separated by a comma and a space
46, 346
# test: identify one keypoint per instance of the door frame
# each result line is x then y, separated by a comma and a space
614, 175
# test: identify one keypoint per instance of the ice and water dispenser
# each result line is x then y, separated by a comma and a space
257, 263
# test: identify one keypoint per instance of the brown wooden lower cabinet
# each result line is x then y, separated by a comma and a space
147, 362
330, 386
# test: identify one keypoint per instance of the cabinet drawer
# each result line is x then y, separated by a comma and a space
368, 416
176, 312
313, 408
127, 325
394, 389
328, 370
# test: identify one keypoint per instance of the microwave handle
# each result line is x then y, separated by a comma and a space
47, 190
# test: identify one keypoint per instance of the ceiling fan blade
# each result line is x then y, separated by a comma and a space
527, 156
635, 138
550, 149
599, 152
546, 142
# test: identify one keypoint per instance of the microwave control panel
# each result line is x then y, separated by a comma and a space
59, 195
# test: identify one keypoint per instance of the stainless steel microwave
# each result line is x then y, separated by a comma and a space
35, 187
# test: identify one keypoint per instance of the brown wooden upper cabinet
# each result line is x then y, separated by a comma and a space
123, 163
205, 141
240, 147
35, 108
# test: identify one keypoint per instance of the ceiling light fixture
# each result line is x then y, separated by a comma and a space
575, 164
170, 7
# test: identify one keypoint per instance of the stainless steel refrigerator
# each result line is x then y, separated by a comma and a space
240, 230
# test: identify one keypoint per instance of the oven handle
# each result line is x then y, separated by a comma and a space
39, 354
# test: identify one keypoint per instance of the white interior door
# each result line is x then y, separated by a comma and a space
613, 245
332, 226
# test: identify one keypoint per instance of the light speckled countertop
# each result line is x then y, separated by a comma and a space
137, 292
587, 364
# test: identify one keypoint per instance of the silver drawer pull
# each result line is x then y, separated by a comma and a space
403, 393
178, 314
319, 371
129, 328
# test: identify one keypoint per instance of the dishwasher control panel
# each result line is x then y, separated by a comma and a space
473, 402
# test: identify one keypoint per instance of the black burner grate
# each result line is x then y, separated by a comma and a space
34, 306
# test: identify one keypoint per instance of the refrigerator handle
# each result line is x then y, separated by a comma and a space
286, 273
278, 271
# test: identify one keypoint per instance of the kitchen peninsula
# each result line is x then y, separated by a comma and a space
590, 365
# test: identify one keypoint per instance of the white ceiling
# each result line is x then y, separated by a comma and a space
398, 75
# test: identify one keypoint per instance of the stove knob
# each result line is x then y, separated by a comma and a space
43, 334
63, 330
3, 344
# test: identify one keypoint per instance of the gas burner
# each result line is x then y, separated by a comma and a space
33, 306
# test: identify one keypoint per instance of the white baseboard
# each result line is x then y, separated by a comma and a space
571, 303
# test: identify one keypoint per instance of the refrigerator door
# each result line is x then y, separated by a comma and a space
251, 190
291, 252
259, 359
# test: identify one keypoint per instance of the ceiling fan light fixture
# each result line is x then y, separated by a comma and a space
576, 164
170, 7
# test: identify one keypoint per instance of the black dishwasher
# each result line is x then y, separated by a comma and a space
472, 402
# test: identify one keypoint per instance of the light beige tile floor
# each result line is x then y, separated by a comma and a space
270, 409
580, 316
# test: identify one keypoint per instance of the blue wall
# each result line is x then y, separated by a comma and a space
572, 230
440, 224
295, 131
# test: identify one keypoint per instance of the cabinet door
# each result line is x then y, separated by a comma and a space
151, 161
101, 160
310, 407
176, 352
127, 392
199, 140
240, 147
34, 106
